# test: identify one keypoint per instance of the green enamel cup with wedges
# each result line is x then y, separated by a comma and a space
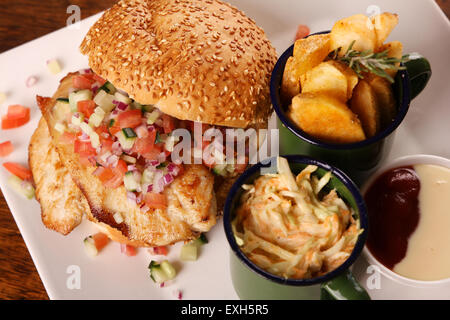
359, 159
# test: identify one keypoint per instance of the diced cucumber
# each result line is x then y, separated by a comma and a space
189, 252
157, 274
76, 96
129, 133
111, 123
95, 120
170, 142
86, 128
128, 158
105, 101
120, 97
108, 88
148, 107
22, 187
95, 140
147, 176
168, 269
126, 143
220, 169
64, 100
60, 127
201, 240
89, 246
61, 110
130, 181
137, 105
152, 116
77, 118
158, 138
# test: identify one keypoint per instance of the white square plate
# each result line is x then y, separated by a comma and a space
111, 275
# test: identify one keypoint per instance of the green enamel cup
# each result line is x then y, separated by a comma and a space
251, 282
361, 159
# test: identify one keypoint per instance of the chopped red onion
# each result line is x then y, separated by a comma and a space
150, 188
151, 128
112, 160
115, 112
131, 167
85, 71
120, 105
116, 148
142, 131
131, 196
168, 178
122, 92
144, 208
84, 137
31, 81
154, 163
139, 198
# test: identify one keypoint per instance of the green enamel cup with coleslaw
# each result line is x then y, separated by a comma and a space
252, 281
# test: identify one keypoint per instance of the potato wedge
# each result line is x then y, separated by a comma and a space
325, 118
308, 53
327, 79
385, 99
352, 78
395, 50
384, 24
356, 28
290, 86
364, 104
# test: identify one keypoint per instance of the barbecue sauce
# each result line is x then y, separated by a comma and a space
393, 207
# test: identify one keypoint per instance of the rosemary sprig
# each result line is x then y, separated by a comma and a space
368, 61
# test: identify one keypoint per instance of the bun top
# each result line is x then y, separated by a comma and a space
199, 60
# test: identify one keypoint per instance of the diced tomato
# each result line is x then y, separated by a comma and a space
114, 128
130, 119
168, 123
111, 177
100, 240
162, 250
302, 31
16, 117
82, 82
99, 79
6, 148
67, 137
86, 107
18, 170
145, 145
88, 161
84, 148
155, 200
122, 166
128, 250
153, 153
17, 111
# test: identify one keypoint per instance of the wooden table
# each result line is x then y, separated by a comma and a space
20, 22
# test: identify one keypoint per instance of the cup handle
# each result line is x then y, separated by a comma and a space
419, 71
343, 287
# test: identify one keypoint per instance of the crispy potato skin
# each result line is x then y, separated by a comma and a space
364, 104
308, 53
384, 24
332, 78
395, 50
191, 200
384, 98
358, 28
325, 118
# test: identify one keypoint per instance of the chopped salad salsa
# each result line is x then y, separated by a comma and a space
129, 143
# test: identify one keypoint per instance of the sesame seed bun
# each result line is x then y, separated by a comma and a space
198, 60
